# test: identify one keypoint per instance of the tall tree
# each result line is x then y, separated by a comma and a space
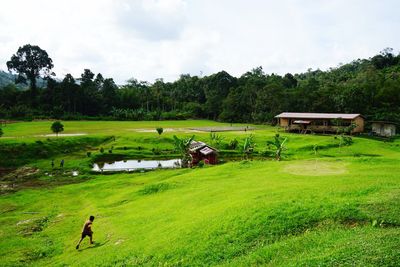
31, 62
91, 95
109, 93
70, 93
216, 88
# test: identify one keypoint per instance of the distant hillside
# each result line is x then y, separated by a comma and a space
8, 78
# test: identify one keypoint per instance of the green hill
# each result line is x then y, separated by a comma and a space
339, 207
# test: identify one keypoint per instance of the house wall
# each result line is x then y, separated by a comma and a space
322, 125
377, 128
197, 157
283, 122
390, 130
359, 121
382, 129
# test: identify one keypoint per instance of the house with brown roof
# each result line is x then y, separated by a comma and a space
320, 122
201, 151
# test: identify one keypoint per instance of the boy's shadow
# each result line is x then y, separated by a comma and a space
95, 245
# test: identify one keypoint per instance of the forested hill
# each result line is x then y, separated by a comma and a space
7, 78
367, 86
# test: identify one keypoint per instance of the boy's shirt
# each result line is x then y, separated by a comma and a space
87, 227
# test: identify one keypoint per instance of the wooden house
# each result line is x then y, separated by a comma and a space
383, 128
201, 151
320, 122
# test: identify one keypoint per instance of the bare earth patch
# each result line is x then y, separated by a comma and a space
224, 129
54, 135
166, 130
198, 130
315, 168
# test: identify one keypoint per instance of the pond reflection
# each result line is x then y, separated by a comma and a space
132, 165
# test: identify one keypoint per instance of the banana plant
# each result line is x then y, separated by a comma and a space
248, 146
279, 146
182, 146
216, 139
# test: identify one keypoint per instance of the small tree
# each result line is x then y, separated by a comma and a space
315, 150
279, 145
341, 135
182, 146
57, 127
1, 132
159, 130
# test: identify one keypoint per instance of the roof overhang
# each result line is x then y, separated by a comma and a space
305, 116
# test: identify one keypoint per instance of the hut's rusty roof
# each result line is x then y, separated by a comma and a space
298, 115
195, 145
207, 150
199, 146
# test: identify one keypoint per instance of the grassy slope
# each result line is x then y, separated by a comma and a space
238, 213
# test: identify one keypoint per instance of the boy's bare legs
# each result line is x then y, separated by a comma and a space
91, 240
77, 245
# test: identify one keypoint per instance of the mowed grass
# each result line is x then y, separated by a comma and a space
339, 207
27, 129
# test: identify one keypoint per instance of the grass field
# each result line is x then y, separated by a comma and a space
340, 206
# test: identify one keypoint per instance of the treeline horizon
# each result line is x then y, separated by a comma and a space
367, 86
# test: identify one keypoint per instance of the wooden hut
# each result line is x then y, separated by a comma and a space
383, 128
319, 122
201, 151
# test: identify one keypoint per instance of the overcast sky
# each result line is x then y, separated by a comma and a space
149, 39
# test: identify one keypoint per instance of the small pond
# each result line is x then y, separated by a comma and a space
133, 165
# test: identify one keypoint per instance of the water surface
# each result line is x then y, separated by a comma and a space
133, 165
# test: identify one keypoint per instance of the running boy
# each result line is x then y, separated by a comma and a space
87, 231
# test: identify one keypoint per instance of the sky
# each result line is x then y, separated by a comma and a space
150, 39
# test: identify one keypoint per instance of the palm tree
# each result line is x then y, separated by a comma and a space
279, 145
182, 145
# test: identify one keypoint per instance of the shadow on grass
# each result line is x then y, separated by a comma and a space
95, 245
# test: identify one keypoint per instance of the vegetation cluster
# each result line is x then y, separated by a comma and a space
367, 86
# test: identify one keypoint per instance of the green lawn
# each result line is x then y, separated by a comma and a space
339, 207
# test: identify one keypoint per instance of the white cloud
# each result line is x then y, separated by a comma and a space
149, 39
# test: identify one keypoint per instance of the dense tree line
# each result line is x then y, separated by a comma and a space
367, 86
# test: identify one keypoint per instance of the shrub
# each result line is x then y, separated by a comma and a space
88, 154
156, 151
201, 164
155, 188
101, 150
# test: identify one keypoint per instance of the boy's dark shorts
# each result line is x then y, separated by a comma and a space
84, 234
